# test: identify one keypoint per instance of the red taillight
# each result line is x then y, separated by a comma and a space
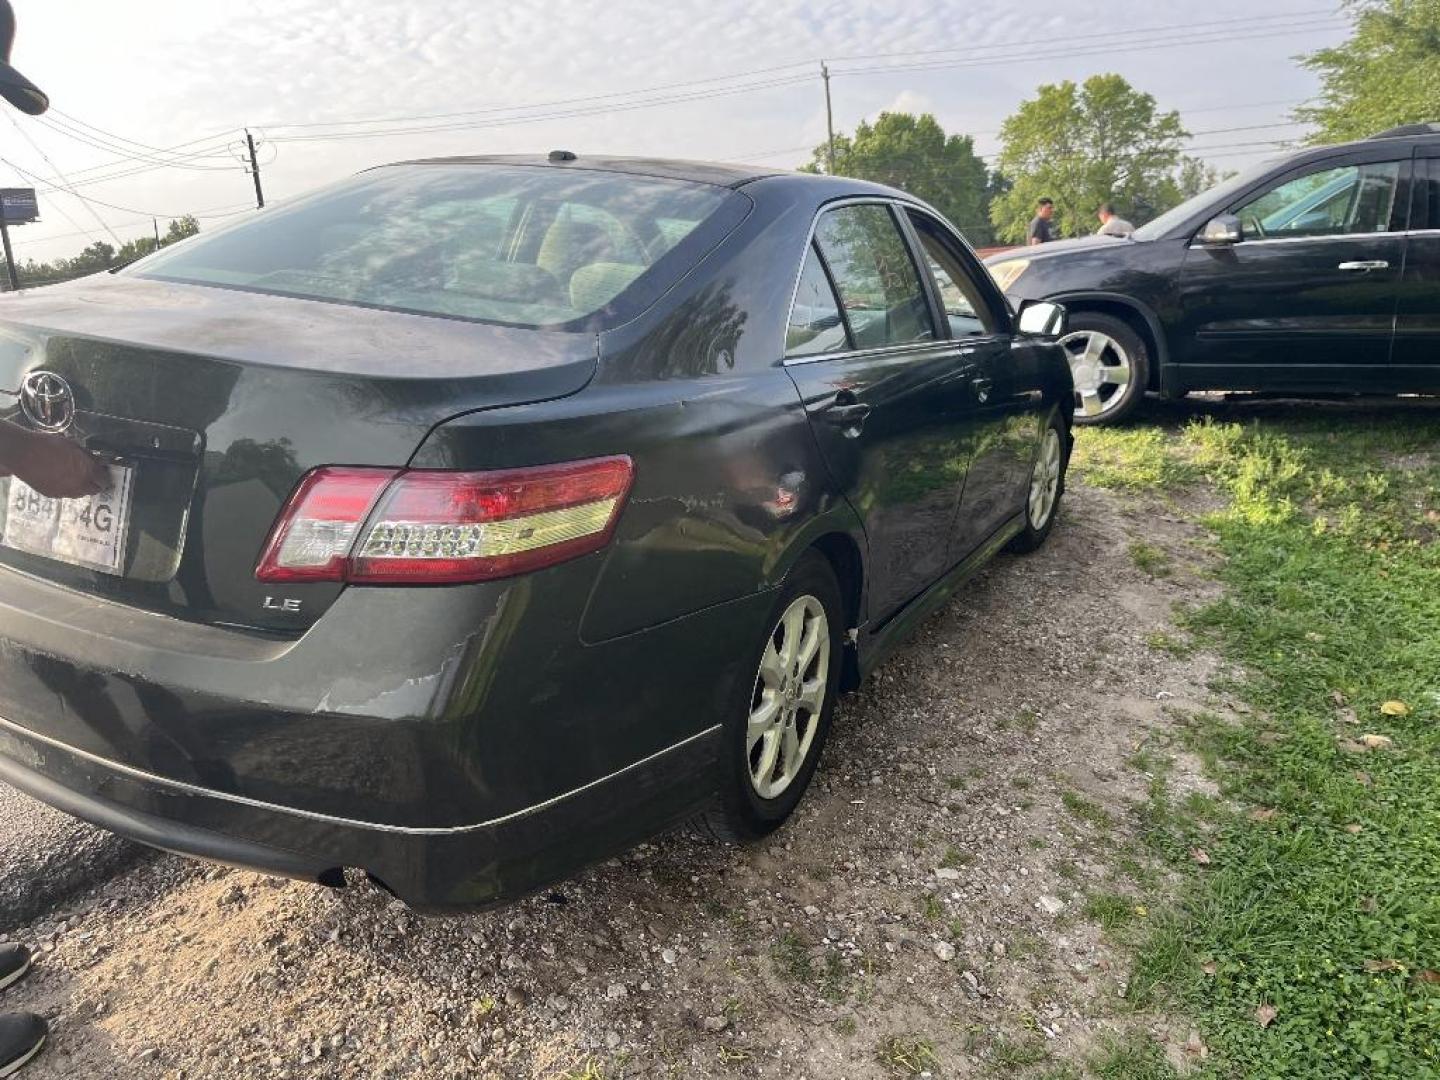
378, 526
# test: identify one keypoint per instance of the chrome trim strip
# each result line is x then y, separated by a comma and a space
407, 830
851, 354
1197, 242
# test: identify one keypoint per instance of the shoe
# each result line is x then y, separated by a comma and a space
21, 1036
14, 962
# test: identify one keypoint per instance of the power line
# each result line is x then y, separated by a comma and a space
26, 136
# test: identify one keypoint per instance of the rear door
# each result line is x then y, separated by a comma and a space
880, 383
1307, 298
1415, 361
999, 409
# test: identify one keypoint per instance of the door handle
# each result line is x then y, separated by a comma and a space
1364, 266
846, 411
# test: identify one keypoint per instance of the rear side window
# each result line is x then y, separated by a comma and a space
521, 245
816, 325
1328, 202
878, 283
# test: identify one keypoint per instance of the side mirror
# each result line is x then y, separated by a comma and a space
1224, 229
1040, 318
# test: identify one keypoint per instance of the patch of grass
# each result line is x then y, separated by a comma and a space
1039, 843
1332, 575
931, 907
1010, 1054
1092, 813
1111, 910
955, 783
590, 1069
1028, 721
847, 1026
1131, 459
955, 858
1021, 783
791, 957
1149, 559
909, 1054
1162, 641
1134, 1057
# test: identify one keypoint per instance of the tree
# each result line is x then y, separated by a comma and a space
1386, 74
102, 256
913, 153
1083, 145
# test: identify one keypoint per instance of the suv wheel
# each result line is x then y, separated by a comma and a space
1109, 364
774, 734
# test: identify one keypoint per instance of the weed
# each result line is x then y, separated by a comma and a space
1131, 1057
846, 1026
954, 859
931, 907
1164, 642
1019, 1053
909, 1054
1150, 559
791, 957
1092, 813
1111, 910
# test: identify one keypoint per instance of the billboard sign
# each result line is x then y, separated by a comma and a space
18, 206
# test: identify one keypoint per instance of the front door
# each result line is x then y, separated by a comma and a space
1308, 295
1001, 415
880, 384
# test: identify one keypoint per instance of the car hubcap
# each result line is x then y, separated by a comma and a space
1045, 480
1100, 368
789, 696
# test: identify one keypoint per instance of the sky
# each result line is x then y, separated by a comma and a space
145, 82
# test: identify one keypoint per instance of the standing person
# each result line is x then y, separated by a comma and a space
1041, 231
1111, 224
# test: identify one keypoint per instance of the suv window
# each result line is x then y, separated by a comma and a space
877, 280
965, 307
1327, 202
816, 325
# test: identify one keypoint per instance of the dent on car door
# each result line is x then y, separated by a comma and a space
1415, 360
1307, 297
878, 380
1000, 414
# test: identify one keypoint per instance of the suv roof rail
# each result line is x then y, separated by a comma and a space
1407, 129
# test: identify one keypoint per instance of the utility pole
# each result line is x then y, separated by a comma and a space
255, 170
156, 222
9, 256
829, 122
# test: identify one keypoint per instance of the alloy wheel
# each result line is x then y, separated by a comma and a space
1045, 480
1101, 369
789, 696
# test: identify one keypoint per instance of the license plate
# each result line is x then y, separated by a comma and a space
88, 532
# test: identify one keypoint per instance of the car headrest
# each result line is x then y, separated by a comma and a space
482, 275
594, 286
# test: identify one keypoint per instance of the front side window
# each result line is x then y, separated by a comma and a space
965, 307
496, 243
816, 326
1329, 202
878, 283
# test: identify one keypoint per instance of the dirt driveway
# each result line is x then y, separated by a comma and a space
922, 913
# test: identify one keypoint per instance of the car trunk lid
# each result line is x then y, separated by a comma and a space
216, 401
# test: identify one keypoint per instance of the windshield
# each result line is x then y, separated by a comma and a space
1154, 230
520, 245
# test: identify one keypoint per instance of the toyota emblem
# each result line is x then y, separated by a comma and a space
47, 401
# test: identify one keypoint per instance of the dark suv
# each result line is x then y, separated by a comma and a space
1318, 273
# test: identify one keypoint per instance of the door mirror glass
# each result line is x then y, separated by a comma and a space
1041, 318
1224, 229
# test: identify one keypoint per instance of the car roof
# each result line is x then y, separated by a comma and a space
721, 174
700, 172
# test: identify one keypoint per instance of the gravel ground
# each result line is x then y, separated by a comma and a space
930, 888
47, 856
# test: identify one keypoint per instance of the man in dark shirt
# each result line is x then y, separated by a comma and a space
1041, 231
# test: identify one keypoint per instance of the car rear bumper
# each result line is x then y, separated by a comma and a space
433, 869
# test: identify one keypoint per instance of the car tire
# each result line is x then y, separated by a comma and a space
1045, 487
750, 802
1110, 366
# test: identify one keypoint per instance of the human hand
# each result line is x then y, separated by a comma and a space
56, 467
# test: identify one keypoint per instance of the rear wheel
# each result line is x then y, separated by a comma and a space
1109, 364
775, 731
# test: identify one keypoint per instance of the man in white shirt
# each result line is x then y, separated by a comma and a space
1111, 224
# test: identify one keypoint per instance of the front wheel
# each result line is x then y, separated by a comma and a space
776, 729
1046, 487
1109, 365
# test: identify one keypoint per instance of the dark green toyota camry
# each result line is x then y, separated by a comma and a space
475, 518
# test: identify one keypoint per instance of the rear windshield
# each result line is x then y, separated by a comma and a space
522, 245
